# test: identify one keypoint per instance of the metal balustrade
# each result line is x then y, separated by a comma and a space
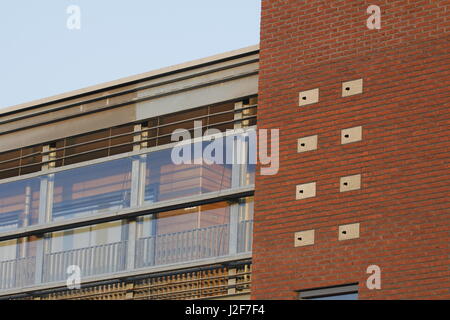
95, 260
163, 249
17, 273
112, 185
182, 246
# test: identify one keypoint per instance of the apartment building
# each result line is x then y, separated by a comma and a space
89, 187
358, 208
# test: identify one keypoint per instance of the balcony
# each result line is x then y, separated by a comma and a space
130, 184
93, 260
17, 273
96, 251
182, 246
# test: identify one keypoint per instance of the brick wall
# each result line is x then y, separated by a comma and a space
402, 206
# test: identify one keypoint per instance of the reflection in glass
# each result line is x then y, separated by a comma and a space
106, 186
166, 180
19, 204
209, 170
92, 189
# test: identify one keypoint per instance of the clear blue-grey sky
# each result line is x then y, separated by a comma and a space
40, 56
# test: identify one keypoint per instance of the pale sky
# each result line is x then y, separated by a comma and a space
41, 57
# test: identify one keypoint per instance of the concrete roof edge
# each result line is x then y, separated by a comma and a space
125, 80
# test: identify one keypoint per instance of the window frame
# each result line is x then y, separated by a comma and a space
333, 291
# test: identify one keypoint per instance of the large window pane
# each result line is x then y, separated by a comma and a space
19, 204
209, 170
92, 189
166, 180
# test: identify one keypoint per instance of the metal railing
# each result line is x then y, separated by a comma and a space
163, 249
95, 260
182, 246
17, 273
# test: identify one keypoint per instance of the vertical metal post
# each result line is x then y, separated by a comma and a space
236, 181
45, 207
132, 226
245, 145
233, 227
153, 244
236, 167
22, 242
136, 200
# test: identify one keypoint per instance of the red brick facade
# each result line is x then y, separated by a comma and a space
402, 206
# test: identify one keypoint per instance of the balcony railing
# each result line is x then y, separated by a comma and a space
119, 184
102, 259
17, 273
182, 246
163, 249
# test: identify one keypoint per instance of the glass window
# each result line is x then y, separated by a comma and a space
167, 180
84, 237
343, 292
8, 250
344, 296
92, 189
19, 204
